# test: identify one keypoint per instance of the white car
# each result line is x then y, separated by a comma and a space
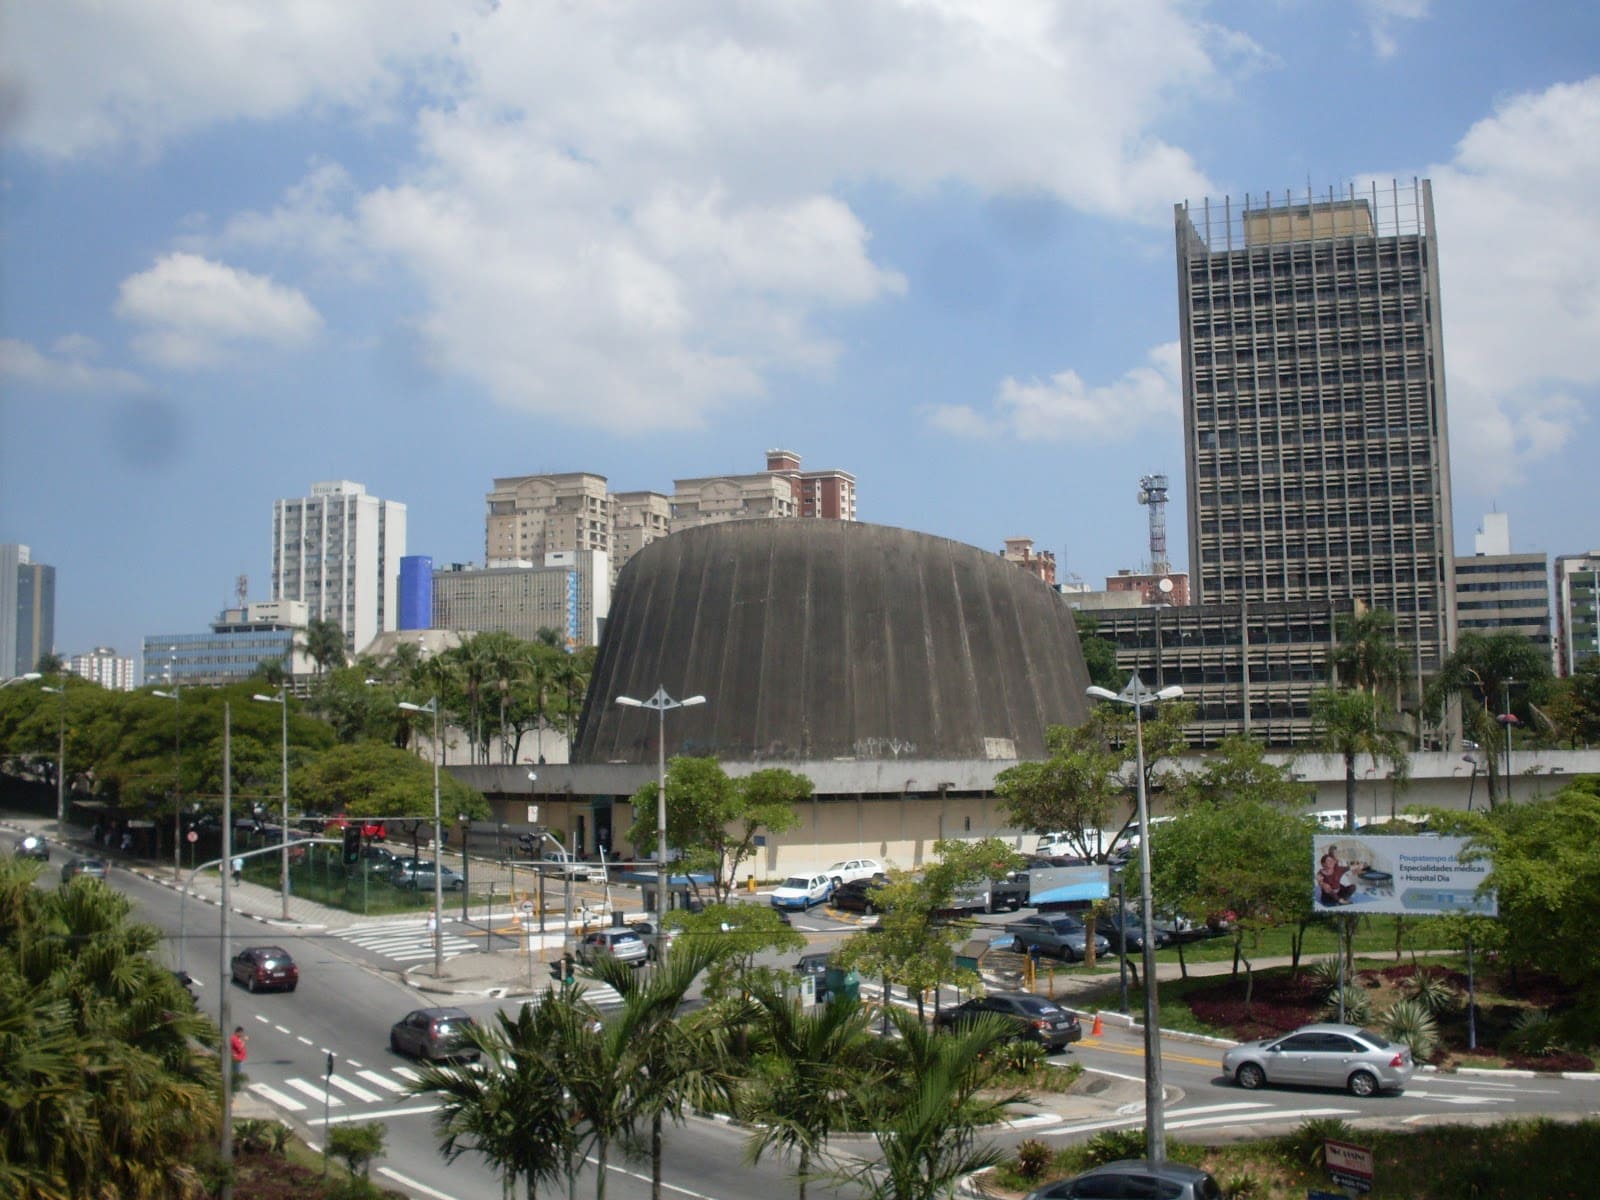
854, 868
802, 891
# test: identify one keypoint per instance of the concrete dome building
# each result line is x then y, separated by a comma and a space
831, 641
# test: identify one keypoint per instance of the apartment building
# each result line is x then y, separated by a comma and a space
1577, 604
1497, 590
338, 552
104, 666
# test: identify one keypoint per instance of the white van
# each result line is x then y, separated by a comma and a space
1061, 844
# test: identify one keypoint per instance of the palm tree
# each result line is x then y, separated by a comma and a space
807, 1071
663, 1059
1482, 670
509, 1106
1367, 656
927, 1114
324, 642
1351, 725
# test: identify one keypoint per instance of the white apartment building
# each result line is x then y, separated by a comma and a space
106, 667
338, 551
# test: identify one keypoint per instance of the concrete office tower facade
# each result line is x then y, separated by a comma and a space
569, 592
338, 551
1577, 610
1497, 590
27, 610
106, 667
1315, 438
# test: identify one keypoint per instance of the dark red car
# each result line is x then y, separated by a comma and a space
263, 967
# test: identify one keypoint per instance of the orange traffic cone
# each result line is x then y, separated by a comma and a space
1098, 1028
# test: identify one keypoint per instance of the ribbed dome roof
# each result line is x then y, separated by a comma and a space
831, 639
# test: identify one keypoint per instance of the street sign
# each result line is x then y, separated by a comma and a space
1350, 1165
533, 814
192, 836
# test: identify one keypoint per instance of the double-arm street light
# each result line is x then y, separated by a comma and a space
282, 701
176, 696
432, 706
661, 702
61, 758
1136, 696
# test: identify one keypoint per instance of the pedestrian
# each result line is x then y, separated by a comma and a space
238, 869
127, 840
238, 1050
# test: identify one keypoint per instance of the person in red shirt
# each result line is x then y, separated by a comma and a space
237, 1048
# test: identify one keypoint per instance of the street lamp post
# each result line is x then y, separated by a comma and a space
432, 706
176, 696
61, 759
661, 702
282, 701
1136, 696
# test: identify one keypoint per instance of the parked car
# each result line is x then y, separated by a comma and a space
376, 860
1129, 924
1133, 1177
433, 1033
1323, 1055
418, 876
263, 967
1036, 1019
88, 868
859, 895
624, 945
570, 866
652, 942
802, 891
32, 846
815, 967
1057, 934
851, 869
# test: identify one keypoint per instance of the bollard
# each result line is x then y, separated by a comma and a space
750, 884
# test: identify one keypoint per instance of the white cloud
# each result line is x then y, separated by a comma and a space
64, 370
193, 310
86, 75
1065, 408
1383, 17
1519, 251
638, 204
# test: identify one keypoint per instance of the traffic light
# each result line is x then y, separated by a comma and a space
352, 844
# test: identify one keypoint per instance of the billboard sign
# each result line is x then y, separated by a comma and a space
1349, 1165
1418, 876
1066, 885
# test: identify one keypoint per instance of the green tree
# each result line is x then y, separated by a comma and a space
1237, 768
743, 931
808, 1068
509, 1107
929, 1112
357, 1145
715, 819
1574, 705
1366, 656
1480, 675
1070, 791
1351, 725
369, 779
1099, 654
324, 643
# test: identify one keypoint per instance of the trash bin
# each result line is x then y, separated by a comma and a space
842, 981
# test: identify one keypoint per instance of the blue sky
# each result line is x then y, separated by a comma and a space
421, 244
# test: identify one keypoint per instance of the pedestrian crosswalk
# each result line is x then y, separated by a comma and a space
405, 941
351, 1086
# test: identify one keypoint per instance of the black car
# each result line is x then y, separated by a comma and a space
858, 895
1036, 1019
32, 846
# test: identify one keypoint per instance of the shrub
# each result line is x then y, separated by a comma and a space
357, 1145
1306, 1144
1411, 1022
1357, 1006
1534, 1034
1324, 972
1242, 1187
1033, 1158
261, 1137
1112, 1144
1435, 993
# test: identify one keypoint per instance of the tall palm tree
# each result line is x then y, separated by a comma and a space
324, 642
1480, 675
927, 1116
809, 1066
1351, 726
509, 1106
1367, 657
664, 1060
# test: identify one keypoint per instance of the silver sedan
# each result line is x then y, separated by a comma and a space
1326, 1055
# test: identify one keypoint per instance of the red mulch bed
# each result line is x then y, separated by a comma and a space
1559, 1061
1277, 1004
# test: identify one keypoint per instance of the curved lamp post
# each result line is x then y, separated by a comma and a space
1136, 696
432, 706
661, 702
282, 701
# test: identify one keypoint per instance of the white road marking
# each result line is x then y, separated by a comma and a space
305, 1040
1268, 1116
380, 1114
273, 1096
382, 1081
408, 1073
1443, 1099
312, 1090
352, 1089
283, 1030
412, 1185
1210, 1108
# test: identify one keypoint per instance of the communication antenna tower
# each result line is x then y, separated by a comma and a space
241, 588
1153, 494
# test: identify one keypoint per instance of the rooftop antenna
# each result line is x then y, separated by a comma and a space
1153, 494
241, 588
